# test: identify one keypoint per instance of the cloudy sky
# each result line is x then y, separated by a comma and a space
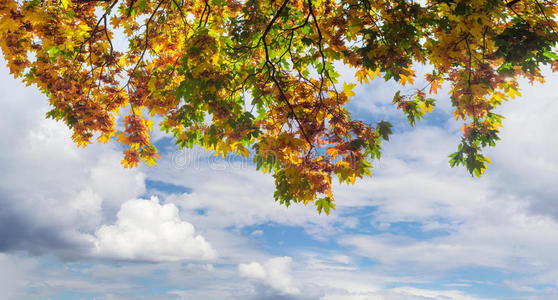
75, 225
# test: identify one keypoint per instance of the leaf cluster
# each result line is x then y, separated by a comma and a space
259, 78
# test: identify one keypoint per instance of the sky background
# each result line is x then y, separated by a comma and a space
75, 225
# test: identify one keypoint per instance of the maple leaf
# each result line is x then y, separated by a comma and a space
65, 3
434, 86
348, 89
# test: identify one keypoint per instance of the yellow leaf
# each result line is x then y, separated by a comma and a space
434, 87
65, 3
495, 125
361, 76
511, 92
404, 79
149, 124
121, 137
407, 78
425, 108
105, 138
8, 24
294, 158
348, 89
241, 150
82, 143
351, 179
333, 152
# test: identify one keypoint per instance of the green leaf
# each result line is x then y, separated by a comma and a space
324, 204
384, 129
53, 52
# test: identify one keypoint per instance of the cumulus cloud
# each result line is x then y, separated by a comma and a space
275, 272
53, 196
252, 270
147, 230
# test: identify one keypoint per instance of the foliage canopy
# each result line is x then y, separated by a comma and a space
258, 77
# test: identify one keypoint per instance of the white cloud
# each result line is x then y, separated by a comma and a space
114, 183
87, 210
146, 230
252, 270
275, 273
332, 276
416, 293
525, 160
55, 195
13, 273
257, 233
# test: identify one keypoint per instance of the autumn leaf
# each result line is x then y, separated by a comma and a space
348, 89
434, 86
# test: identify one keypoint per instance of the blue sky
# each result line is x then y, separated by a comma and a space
75, 225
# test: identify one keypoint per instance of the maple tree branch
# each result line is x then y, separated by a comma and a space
205, 8
484, 43
546, 18
146, 43
320, 37
182, 15
301, 25
108, 38
271, 66
293, 84
89, 40
130, 8
510, 6
94, 31
368, 8
324, 70
511, 3
470, 71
